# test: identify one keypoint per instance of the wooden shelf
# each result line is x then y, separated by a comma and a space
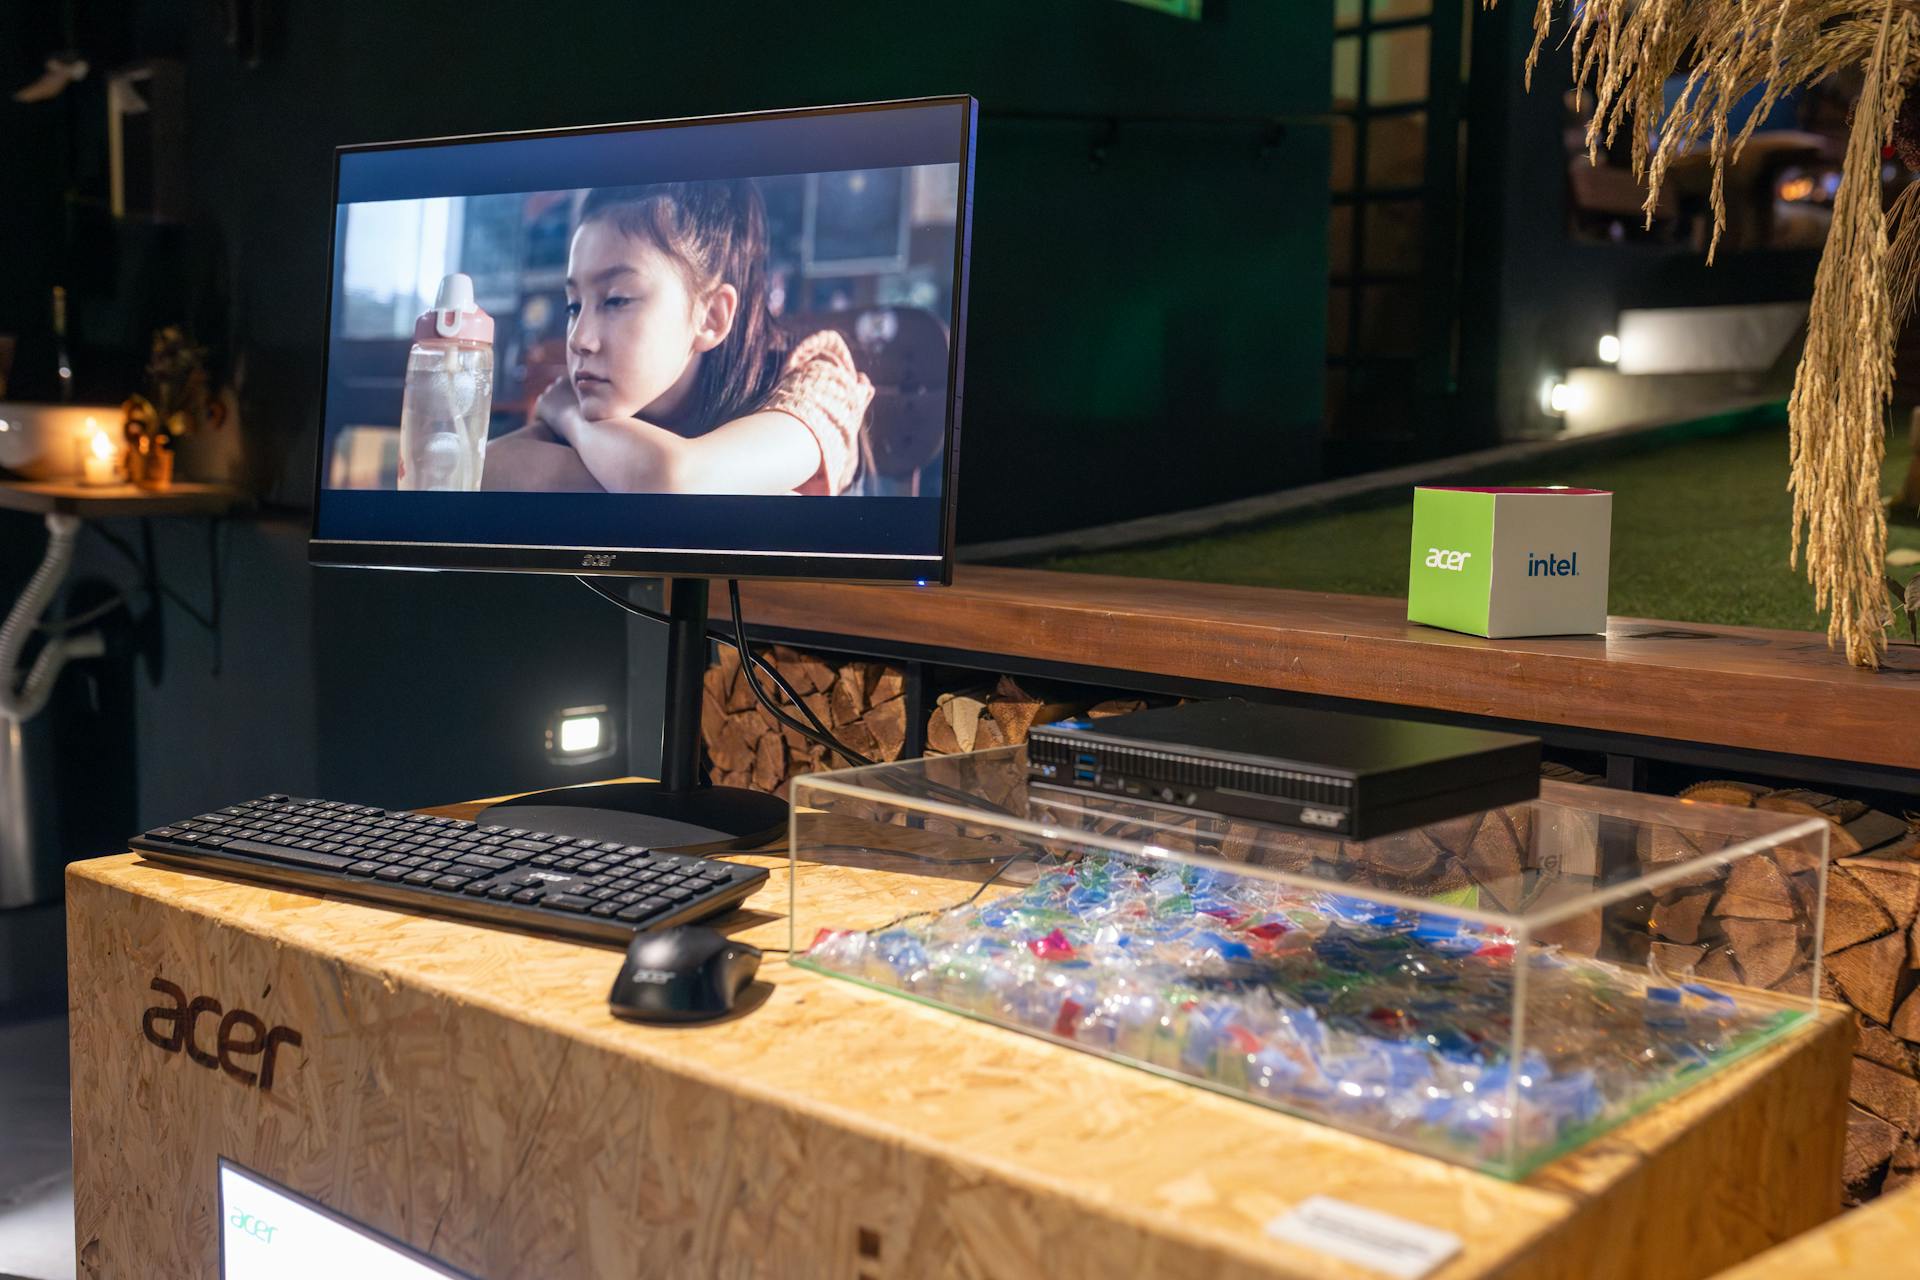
104, 502
1743, 687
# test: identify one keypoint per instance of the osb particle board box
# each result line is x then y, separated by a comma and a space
465, 1091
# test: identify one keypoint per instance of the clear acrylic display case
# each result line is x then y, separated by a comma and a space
1493, 990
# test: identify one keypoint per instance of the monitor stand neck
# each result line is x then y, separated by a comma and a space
680, 810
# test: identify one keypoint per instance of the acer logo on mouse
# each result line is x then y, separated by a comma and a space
658, 977
1455, 561
236, 1036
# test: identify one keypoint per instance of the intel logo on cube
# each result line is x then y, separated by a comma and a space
1510, 562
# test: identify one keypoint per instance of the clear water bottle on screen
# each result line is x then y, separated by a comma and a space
449, 392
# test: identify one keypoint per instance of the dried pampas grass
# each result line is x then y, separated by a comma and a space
1624, 52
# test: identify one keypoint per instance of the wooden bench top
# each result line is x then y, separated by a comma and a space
1745, 687
466, 1090
1875, 1241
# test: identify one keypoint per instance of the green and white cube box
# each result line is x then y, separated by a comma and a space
1510, 562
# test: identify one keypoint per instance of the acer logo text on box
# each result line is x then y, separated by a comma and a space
238, 1034
1454, 561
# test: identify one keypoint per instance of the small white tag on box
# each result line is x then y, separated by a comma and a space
1392, 1246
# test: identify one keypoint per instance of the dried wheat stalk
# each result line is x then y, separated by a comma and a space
1625, 51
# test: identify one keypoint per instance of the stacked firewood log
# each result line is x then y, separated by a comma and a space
1002, 715
862, 703
1870, 962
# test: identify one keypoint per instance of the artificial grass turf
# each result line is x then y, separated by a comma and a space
1701, 528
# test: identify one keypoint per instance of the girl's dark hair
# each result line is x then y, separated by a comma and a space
717, 233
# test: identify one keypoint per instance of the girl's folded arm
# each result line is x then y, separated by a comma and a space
766, 452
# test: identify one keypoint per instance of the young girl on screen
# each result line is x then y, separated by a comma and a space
678, 381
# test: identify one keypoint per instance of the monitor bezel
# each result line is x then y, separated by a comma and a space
655, 561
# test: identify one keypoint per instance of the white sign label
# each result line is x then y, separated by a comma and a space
270, 1234
1366, 1236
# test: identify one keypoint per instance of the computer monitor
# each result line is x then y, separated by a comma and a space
722, 347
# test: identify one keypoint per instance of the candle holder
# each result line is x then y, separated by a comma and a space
154, 468
97, 455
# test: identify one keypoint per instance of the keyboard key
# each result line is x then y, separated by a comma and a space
568, 901
501, 891
280, 853
528, 895
363, 869
390, 873
654, 905
640, 912
677, 894
421, 875
529, 846
476, 888
451, 881
485, 863
603, 908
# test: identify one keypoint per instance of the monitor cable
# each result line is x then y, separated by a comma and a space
815, 732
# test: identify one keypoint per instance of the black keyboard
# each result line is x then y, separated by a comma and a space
594, 890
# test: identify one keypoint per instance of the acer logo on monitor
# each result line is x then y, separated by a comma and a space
213, 1037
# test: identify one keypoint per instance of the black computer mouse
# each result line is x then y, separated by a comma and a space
687, 974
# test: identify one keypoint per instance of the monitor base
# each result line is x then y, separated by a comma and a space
701, 819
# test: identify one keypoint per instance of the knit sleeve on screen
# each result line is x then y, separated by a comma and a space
823, 389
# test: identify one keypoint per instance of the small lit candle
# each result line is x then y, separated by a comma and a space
99, 458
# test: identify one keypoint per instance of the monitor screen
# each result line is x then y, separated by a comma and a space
729, 346
270, 1233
